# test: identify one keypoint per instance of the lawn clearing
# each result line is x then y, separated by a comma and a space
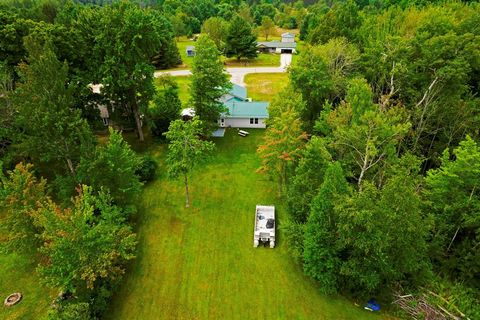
199, 263
262, 60
265, 86
183, 88
18, 275
182, 44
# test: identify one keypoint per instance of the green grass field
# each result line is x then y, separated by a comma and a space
182, 44
265, 86
18, 275
199, 263
263, 60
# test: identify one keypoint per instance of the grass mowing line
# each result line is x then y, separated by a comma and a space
199, 263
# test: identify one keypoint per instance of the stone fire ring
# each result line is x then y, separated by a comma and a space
13, 299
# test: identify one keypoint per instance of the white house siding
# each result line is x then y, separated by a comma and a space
244, 123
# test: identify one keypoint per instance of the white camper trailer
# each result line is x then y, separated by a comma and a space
264, 226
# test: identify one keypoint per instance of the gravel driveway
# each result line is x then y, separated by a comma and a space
238, 74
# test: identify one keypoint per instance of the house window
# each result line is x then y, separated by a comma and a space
256, 120
251, 120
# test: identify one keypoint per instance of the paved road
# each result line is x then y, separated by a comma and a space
238, 74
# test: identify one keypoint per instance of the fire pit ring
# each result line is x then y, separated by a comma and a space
12, 299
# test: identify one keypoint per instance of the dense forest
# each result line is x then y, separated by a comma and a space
373, 145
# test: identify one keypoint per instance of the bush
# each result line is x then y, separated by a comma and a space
148, 168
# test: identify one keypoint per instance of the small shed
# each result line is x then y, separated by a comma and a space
190, 51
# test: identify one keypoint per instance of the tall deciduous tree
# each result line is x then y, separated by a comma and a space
84, 244
128, 43
45, 112
267, 27
186, 149
453, 192
283, 142
322, 74
363, 134
382, 233
21, 193
209, 82
217, 29
241, 41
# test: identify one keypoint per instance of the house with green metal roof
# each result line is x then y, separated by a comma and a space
241, 112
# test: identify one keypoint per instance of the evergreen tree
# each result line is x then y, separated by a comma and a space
209, 83
321, 260
241, 41
113, 167
45, 112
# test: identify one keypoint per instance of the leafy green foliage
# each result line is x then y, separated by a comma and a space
85, 243
113, 167
453, 196
148, 168
309, 175
21, 193
267, 27
166, 106
283, 142
186, 149
322, 74
44, 111
216, 28
241, 42
321, 261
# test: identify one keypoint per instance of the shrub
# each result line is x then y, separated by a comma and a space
148, 168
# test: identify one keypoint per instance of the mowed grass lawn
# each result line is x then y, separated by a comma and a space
199, 263
18, 275
263, 60
265, 86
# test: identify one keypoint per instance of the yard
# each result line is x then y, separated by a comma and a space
199, 263
263, 60
265, 86
18, 275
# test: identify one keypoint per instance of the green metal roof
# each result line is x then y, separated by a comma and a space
247, 109
238, 91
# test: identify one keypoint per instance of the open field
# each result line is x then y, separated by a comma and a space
199, 263
18, 275
265, 86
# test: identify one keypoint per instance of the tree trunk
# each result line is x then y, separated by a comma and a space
187, 195
70, 166
138, 122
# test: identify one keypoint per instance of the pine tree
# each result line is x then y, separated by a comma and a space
209, 83
241, 41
